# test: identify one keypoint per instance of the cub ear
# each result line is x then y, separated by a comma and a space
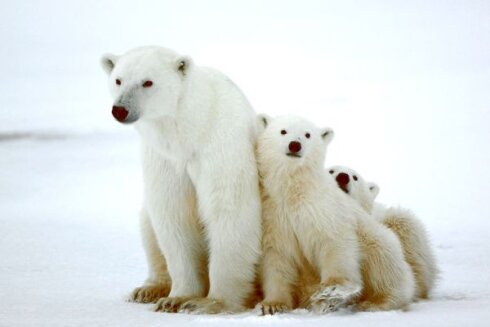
183, 64
373, 189
108, 61
263, 121
327, 134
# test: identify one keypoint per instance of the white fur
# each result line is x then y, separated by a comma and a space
360, 190
310, 225
306, 219
405, 224
201, 210
388, 279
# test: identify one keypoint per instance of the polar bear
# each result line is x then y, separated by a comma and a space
302, 231
409, 229
201, 216
312, 228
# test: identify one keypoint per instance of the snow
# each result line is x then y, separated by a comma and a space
70, 250
403, 84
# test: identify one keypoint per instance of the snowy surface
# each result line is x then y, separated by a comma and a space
70, 250
404, 84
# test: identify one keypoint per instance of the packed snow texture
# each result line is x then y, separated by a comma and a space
404, 85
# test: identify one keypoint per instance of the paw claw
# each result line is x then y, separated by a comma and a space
149, 294
169, 304
271, 308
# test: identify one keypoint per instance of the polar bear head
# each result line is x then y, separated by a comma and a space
289, 142
353, 184
146, 82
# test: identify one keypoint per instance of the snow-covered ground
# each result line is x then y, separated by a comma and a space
70, 250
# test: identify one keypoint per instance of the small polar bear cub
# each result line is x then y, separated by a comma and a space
306, 220
409, 229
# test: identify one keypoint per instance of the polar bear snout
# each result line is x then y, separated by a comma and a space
120, 113
124, 114
343, 180
294, 149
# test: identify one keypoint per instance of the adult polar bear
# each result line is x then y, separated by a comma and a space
201, 211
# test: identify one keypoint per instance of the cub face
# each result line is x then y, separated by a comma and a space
146, 82
354, 185
290, 141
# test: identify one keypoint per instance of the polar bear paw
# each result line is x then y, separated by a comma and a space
149, 293
331, 298
369, 306
171, 304
271, 308
203, 306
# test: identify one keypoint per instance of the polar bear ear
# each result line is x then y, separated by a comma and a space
108, 62
373, 189
263, 121
327, 134
183, 64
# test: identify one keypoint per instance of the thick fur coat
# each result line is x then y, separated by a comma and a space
308, 224
200, 219
409, 229
321, 250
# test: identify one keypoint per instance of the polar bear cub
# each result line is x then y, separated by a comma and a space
311, 228
300, 227
409, 229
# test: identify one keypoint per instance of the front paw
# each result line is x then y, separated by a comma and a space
149, 294
170, 304
271, 308
331, 298
203, 306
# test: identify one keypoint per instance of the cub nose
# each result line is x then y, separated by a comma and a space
120, 113
342, 179
294, 147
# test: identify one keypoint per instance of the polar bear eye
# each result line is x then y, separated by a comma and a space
283, 132
331, 171
147, 84
118, 81
355, 177
307, 135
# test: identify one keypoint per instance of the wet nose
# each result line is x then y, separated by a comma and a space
294, 147
120, 113
342, 179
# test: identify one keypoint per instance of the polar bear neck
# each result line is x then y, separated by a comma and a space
161, 135
211, 116
363, 196
367, 204
180, 134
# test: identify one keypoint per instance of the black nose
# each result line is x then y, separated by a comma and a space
342, 179
295, 147
120, 113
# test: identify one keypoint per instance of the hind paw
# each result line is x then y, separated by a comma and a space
331, 298
149, 294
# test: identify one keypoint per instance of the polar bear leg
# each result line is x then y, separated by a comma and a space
172, 206
277, 270
277, 278
389, 280
232, 264
158, 283
229, 203
340, 274
416, 247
